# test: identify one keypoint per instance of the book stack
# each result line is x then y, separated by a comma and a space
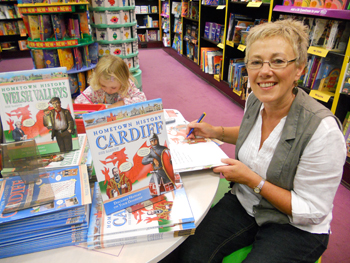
60, 222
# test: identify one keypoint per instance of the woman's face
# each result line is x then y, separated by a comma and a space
273, 86
110, 86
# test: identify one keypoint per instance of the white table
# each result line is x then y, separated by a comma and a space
201, 187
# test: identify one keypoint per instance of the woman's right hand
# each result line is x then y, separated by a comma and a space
203, 129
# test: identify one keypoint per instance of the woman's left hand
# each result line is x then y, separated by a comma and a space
238, 172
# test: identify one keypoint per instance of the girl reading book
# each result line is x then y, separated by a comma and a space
111, 83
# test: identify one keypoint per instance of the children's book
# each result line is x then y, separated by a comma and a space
51, 58
25, 100
194, 154
65, 56
59, 26
38, 58
129, 147
34, 27
78, 58
84, 24
346, 81
328, 74
70, 186
170, 215
45, 27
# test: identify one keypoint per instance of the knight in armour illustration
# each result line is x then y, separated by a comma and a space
162, 179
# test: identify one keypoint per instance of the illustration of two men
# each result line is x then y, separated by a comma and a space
62, 124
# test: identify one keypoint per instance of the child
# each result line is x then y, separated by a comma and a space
111, 83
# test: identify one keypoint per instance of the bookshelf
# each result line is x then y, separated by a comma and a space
13, 34
149, 23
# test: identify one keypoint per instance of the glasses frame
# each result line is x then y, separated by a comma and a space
269, 62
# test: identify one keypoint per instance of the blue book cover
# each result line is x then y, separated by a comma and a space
25, 99
70, 186
129, 147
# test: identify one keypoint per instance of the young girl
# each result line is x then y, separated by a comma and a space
111, 84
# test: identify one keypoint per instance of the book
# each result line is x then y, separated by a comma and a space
170, 216
51, 58
45, 27
71, 190
194, 154
328, 74
335, 4
84, 24
124, 169
78, 58
59, 27
38, 58
346, 80
25, 98
34, 27
65, 56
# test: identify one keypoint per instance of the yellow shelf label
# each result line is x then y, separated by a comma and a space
318, 51
221, 7
230, 43
220, 45
254, 4
237, 92
241, 48
321, 95
217, 77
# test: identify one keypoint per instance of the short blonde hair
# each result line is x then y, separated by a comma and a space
293, 31
109, 67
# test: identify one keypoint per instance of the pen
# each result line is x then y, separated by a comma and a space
199, 120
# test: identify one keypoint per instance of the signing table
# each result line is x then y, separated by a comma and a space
201, 187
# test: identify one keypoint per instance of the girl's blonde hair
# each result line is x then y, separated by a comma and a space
293, 31
110, 67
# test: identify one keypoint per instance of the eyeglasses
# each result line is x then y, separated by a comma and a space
274, 64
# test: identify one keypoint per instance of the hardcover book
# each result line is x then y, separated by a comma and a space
70, 186
169, 215
65, 56
45, 27
26, 109
51, 58
59, 26
34, 27
129, 147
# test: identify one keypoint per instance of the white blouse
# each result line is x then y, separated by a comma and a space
317, 177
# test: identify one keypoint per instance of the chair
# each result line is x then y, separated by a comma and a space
239, 255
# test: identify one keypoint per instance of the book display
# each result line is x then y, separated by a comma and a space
148, 23
30, 99
115, 31
61, 222
60, 36
165, 14
13, 33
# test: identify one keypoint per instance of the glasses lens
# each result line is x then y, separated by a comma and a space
278, 63
254, 64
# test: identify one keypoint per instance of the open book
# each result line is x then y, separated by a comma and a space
190, 155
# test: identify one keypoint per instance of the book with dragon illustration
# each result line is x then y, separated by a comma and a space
129, 147
167, 216
26, 111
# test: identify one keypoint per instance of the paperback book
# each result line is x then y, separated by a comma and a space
170, 215
26, 109
129, 147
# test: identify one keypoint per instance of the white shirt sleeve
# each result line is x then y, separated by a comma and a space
318, 175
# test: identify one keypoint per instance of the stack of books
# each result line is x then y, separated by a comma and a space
60, 222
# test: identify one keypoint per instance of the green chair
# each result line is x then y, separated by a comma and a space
239, 255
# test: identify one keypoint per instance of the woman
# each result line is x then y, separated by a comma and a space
290, 154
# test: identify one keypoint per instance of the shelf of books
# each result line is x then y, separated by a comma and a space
165, 16
13, 33
149, 20
60, 36
114, 28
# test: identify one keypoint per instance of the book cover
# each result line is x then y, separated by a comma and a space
38, 58
59, 26
86, 56
129, 147
184, 9
328, 74
78, 59
34, 27
170, 213
335, 4
346, 80
93, 52
217, 64
25, 98
65, 56
81, 81
194, 10
176, 8
45, 27
71, 188
84, 24
51, 58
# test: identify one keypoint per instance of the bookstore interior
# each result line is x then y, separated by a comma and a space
93, 187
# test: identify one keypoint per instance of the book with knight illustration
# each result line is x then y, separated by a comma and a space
164, 214
129, 147
27, 113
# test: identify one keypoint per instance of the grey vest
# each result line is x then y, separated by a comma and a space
302, 121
